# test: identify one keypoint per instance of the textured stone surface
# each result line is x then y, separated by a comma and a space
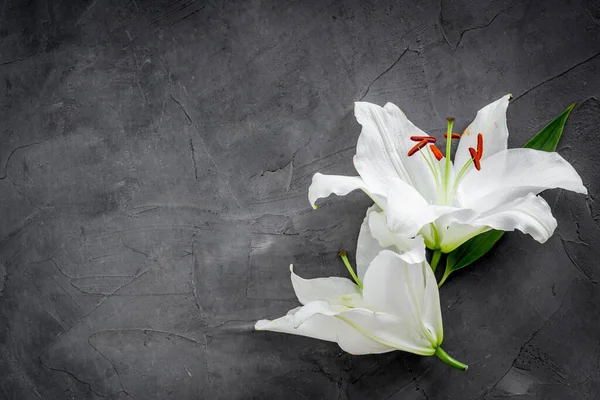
154, 164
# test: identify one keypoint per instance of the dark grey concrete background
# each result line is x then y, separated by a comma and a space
155, 158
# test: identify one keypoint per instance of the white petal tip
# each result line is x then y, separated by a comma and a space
292, 268
262, 325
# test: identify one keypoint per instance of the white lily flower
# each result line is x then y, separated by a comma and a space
397, 308
487, 187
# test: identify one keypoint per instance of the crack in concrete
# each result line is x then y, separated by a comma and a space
555, 77
386, 71
194, 159
28, 221
491, 21
588, 13
587, 275
212, 160
132, 248
106, 297
89, 385
16, 60
529, 340
414, 379
19, 148
84, 13
147, 330
193, 276
111, 364
441, 22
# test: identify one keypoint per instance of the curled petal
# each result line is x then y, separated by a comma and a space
328, 289
324, 185
530, 214
514, 173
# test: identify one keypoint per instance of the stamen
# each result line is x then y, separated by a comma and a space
455, 136
417, 147
475, 158
430, 139
479, 145
436, 152
433, 167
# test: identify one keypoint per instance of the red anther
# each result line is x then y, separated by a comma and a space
436, 152
417, 147
455, 136
479, 145
475, 158
429, 139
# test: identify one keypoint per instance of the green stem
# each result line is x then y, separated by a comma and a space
445, 357
435, 259
344, 256
448, 151
444, 277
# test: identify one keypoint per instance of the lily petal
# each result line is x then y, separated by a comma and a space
530, 214
367, 247
408, 211
491, 123
375, 236
318, 320
514, 173
387, 330
382, 150
411, 250
405, 290
327, 289
319, 326
324, 185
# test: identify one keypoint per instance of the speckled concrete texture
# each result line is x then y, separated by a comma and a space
155, 158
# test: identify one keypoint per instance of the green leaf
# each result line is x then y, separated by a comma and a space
470, 251
475, 248
547, 139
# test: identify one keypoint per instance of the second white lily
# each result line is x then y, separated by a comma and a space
395, 307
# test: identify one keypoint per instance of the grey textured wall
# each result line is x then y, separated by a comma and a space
155, 158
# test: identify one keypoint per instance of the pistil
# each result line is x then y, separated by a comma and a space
443, 187
448, 151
